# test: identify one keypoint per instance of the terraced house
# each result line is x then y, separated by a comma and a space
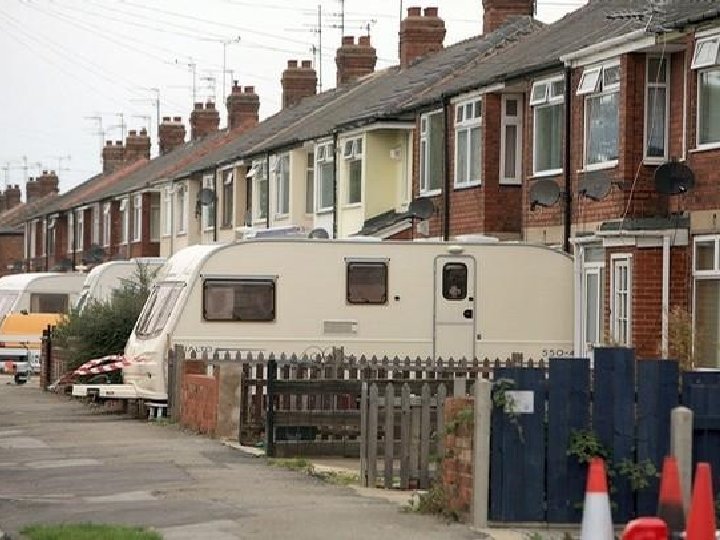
596, 134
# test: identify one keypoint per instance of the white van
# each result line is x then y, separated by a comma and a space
374, 298
43, 292
108, 277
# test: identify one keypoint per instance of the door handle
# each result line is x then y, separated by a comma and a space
468, 313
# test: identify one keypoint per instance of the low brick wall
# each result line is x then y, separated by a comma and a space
200, 403
457, 465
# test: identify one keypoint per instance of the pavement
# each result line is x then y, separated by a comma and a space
63, 461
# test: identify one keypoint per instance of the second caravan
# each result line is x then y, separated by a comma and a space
373, 298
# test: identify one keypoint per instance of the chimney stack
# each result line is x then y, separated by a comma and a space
2, 202
243, 107
113, 156
204, 120
137, 146
12, 197
172, 134
497, 12
420, 34
298, 82
47, 183
31, 190
355, 61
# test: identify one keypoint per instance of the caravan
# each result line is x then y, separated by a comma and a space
374, 298
39, 293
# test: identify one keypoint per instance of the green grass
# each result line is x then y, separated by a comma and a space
87, 531
306, 466
291, 464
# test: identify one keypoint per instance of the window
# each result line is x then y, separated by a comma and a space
454, 281
48, 303
182, 211
95, 239
167, 211
79, 229
228, 195
158, 308
137, 218
245, 300
601, 87
706, 301
367, 282
547, 99
154, 217
70, 217
657, 105
709, 106
7, 301
352, 153
432, 138
593, 260
44, 236
260, 191
51, 235
468, 143
310, 184
33, 239
282, 185
324, 157
620, 310
706, 52
124, 221
106, 223
511, 140
208, 210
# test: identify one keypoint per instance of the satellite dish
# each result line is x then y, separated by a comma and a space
595, 186
95, 254
544, 193
674, 178
319, 234
421, 208
205, 197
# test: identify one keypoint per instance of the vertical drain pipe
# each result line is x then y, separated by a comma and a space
567, 219
446, 170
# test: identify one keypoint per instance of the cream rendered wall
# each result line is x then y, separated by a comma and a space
384, 174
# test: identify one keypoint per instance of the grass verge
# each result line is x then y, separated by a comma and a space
303, 465
88, 531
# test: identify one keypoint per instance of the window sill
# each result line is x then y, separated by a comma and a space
226, 227
260, 221
136, 241
545, 174
510, 183
353, 205
166, 236
181, 233
704, 148
281, 217
458, 187
208, 229
599, 166
323, 211
433, 193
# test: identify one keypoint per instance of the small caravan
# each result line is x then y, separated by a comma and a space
108, 277
47, 292
373, 298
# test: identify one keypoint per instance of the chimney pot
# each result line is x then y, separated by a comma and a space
166, 119
52, 172
236, 83
414, 12
292, 64
177, 119
364, 40
307, 64
209, 105
132, 133
249, 89
199, 106
348, 40
108, 143
143, 132
431, 11
118, 143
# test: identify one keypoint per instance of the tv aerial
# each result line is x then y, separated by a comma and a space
421, 209
95, 254
674, 178
544, 193
205, 197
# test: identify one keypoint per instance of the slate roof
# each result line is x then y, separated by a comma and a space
16, 216
382, 221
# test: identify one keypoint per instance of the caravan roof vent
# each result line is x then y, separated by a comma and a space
544, 193
674, 178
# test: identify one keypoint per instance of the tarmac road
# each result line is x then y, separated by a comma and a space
62, 461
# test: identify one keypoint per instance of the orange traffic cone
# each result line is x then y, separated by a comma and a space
670, 504
701, 518
597, 521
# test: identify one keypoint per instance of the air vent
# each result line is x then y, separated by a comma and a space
340, 327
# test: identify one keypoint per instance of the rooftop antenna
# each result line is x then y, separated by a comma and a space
25, 169
147, 118
192, 67
60, 160
6, 168
211, 86
99, 132
156, 102
225, 45
39, 166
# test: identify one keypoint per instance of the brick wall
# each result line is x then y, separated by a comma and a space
457, 465
199, 403
11, 250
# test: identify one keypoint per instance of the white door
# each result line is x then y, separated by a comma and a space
454, 334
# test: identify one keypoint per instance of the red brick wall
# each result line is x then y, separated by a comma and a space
11, 250
145, 247
199, 403
457, 465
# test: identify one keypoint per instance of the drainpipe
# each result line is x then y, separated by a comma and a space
215, 205
665, 295
47, 244
567, 220
335, 186
446, 170
267, 179
74, 231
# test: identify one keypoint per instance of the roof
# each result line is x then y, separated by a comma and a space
647, 224
16, 216
18, 282
379, 223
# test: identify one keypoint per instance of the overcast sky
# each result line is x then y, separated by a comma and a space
67, 63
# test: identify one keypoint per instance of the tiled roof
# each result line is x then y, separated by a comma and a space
382, 221
18, 215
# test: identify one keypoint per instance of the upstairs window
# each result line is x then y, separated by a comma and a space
657, 106
310, 184
324, 158
352, 154
511, 139
432, 138
137, 218
707, 51
281, 171
547, 100
468, 143
601, 87
208, 210
707, 60
228, 196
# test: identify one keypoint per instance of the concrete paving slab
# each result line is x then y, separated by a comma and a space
217, 530
63, 463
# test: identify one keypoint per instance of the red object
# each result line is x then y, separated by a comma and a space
597, 480
701, 518
670, 504
647, 528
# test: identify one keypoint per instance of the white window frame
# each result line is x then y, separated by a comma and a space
44, 237
155, 210
549, 99
208, 182
310, 183
181, 203
107, 223
95, 234
228, 179
353, 153
124, 221
465, 122
517, 121
714, 42
52, 226
619, 261
699, 113
712, 274
281, 173
33, 239
79, 229
259, 174
167, 210
599, 89
648, 86
324, 153
425, 191
137, 217
70, 219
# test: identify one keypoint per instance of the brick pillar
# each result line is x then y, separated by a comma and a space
355, 61
204, 120
113, 156
243, 107
172, 134
497, 12
298, 82
420, 34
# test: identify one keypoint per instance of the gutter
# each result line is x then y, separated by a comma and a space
604, 45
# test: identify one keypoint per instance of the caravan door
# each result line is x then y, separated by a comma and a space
454, 332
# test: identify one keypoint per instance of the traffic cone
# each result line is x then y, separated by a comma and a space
597, 521
670, 504
701, 517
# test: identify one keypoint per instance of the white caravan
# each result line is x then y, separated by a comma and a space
373, 298
108, 277
47, 292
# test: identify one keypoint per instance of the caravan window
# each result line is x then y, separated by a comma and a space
454, 281
367, 282
247, 300
158, 308
48, 303
7, 299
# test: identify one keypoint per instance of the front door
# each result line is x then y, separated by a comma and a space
454, 333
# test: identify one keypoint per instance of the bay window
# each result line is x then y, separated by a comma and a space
70, 216
124, 221
282, 185
352, 153
310, 184
511, 140
601, 87
228, 204
137, 218
79, 229
657, 105
468, 143
260, 190
432, 138
182, 211
106, 223
167, 211
706, 59
208, 210
547, 100
324, 158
